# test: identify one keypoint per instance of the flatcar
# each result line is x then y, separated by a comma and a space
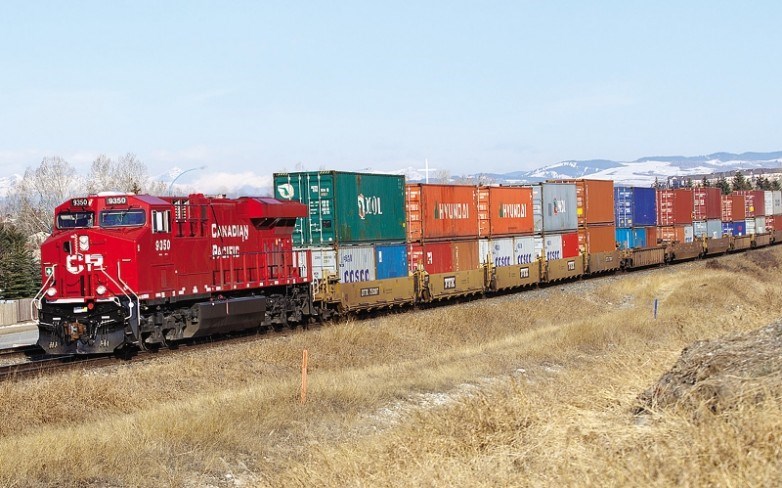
137, 270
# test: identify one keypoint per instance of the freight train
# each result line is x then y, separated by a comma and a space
126, 272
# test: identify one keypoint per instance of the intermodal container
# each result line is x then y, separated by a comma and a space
631, 238
675, 233
707, 203
754, 202
714, 228
498, 251
552, 246
749, 224
733, 208
465, 255
594, 201
344, 207
777, 202
777, 222
674, 207
651, 236
554, 207
356, 263
505, 210
324, 262
570, 245
635, 206
768, 202
597, 238
525, 250
760, 225
391, 260
435, 257
441, 211
770, 223
734, 228
700, 229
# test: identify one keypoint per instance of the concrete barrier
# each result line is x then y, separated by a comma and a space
15, 311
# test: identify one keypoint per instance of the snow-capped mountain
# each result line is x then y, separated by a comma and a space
645, 170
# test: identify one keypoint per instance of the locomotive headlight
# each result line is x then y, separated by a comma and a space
100, 290
51, 291
84, 243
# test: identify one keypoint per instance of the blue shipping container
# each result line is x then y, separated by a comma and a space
391, 261
631, 238
734, 228
635, 206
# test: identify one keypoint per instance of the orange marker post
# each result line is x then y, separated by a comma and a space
303, 378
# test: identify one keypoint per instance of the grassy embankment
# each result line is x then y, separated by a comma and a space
534, 389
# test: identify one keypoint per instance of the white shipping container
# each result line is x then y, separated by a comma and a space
537, 209
324, 262
750, 224
300, 261
699, 228
539, 248
689, 233
524, 251
714, 228
768, 202
500, 250
777, 195
760, 225
553, 246
356, 263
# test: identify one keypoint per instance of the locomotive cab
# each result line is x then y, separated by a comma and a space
88, 301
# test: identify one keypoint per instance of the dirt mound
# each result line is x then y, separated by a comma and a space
722, 373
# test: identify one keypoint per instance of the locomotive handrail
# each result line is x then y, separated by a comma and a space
36, 302
124, 288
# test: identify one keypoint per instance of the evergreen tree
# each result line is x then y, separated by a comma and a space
688, 183
705, 182
762, 183
723, 185
19, 271
776, 185
740, 182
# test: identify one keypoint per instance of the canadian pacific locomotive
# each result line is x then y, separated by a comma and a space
140, 270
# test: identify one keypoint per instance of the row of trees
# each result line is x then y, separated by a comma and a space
27, 213
738, 182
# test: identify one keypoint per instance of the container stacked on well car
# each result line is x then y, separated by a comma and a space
354, 229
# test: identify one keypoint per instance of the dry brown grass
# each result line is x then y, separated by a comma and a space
535, 389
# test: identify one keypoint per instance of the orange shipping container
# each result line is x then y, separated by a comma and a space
504, 210
441, 211
651, 236
596, 239
594, 201
733, 208
675, 233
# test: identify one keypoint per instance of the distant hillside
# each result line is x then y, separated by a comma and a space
644, 170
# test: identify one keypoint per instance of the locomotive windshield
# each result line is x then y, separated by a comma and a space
75, 220
123, 218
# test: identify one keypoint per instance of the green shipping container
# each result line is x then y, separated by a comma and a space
345, 207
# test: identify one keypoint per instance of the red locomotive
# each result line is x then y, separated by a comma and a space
143, 271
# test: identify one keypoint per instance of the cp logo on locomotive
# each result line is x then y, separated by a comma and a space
75, 262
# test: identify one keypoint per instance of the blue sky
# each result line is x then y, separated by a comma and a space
472, 86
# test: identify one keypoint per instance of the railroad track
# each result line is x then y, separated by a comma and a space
33, 362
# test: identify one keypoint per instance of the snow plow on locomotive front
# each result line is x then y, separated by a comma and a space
144, 271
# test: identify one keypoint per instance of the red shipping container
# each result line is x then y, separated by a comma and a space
770, 223
733, 208
595, 239
594, 201
777, 222
671, 233
570, 245
674, 207
505, 210
707, 203
754, 202
436, 257
465, 255
444, 257
651, 236
441, 211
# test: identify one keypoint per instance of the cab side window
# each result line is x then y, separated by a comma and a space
161, 221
